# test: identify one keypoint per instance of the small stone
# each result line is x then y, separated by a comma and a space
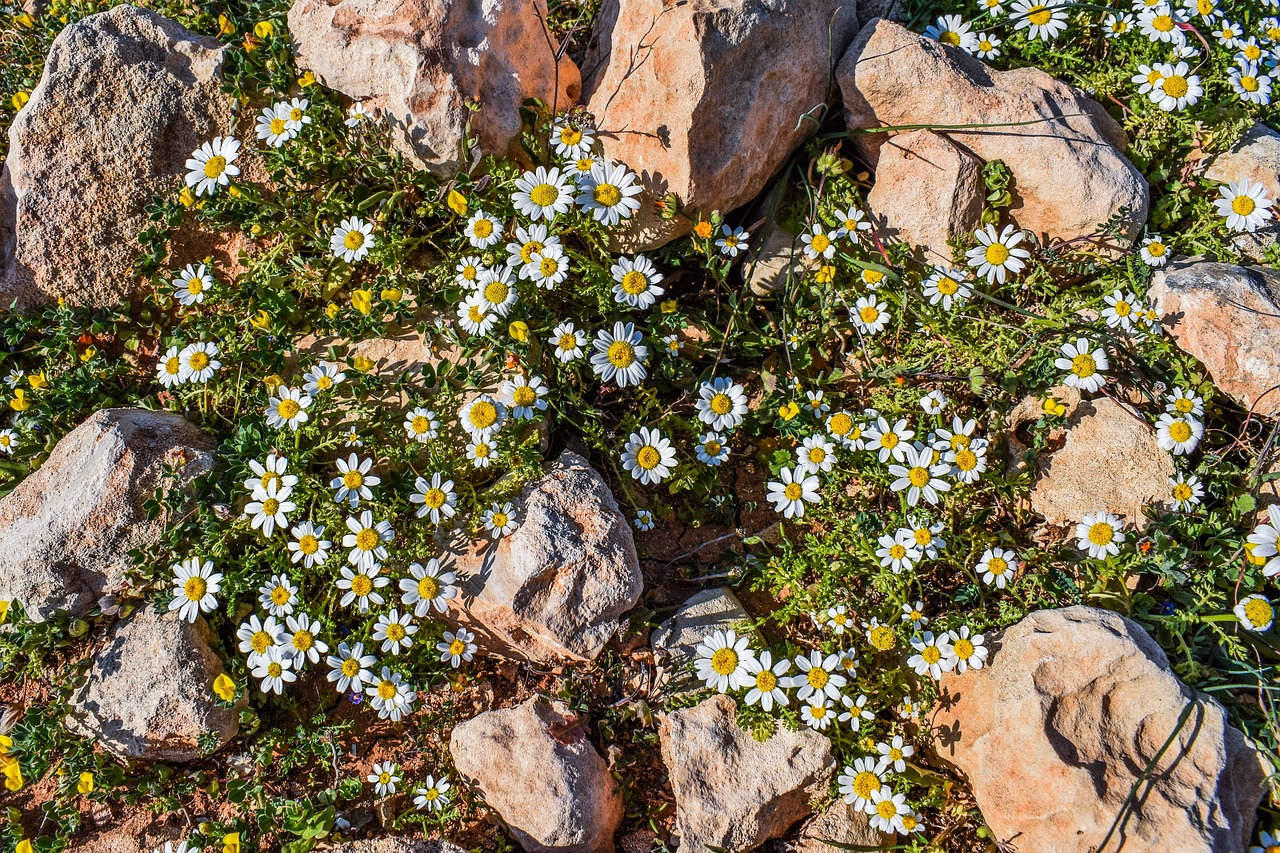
708, 100
399, 845
927, 190
1079, 477
778, 261
422, 62
125, 97
1071, 706
1229, 318
731, 790
534, 764
1256, 157
840, 824
675, 641
1063, 149
559, 585
67, 529
149, 695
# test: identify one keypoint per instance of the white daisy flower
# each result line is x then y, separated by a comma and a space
817, 713
934, 403
325, 376
547, 268
712, 449
273, 125
367, 540
353, 480
869, 315
1119, 313
274, 670
356, 114
926, 536
920, 476
360, 586
289, 409
568, 342
1245, 205
350, 668
274, 469
609, 193
474, 315
199, 362
855, 711
844, 430
500, 520
1042, 19
997, 567
914, 613
428, 587
571, 141
1252, 87
644, 520
1160, 24
969, 462
497, 290
947, 287
169, 370
720, 661
955, 31
483, 417
817, 675
791, 491
648, 456
837, 619
1147, 78
967, 652
1100, 534
524, 395
1184, 402
1177, 89
1085, 365
732, 241
852, 221
1178, 434
620, 356
889, 441
421, 424
1154, 251
395, 631
257, 636
278, 595
309, 546
390, 695
818, 243
480, 452
1263, 541
998, 255
384, 777
887, 808
721, 404
636, 282
458, 648
542, 194
302, 640
1256, 613
195, 588
8, 441
482, 230
1116, 24
437, 498
931, 655
1186, 492
433, 795
817, 454
859, 781
467, 272
297, 113
530, 240
766, 681
270, 508
898, 551
191, 284
212, 165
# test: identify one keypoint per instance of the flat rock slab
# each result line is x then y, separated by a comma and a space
675, 641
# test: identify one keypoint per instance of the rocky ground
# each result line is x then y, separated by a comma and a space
1042, 626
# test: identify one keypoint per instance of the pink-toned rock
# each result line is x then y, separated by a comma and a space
423, 61
1256, 157
1052, 734
66, 530
1229, 318
927, 189
732, 791
1069, 174
125, 97
534, 764
558, 586
707, 99
1077, 477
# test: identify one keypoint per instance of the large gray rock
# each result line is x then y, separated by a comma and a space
1071, 707
535, 766
675, 641
149, 695
1229, 318
709, 100
559, 585
733, 791
66, 531
125, 97
1063, 148
422, 61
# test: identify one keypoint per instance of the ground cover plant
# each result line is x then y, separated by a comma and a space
885, 534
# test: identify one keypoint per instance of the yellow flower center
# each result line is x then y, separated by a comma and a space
966, 460
721, 404
350, 667
496, 292
195, 588
387, 690
457, 647
766, 681
173, 366
354, 239
295, 114
544, 195
648, 457
428, 588
274, 670
288, 409
1243, 205
483, 414
270, 506
1249, 84
997, 566
524, 395
950, 38
635, 283
919, 477
1084, 365
499, 519
817, 455
607, 195
1259, 612
1182, 492
864, 783
840, 424
549, 267
724, 661
567, 342
215, 166
1252, 52
882, 637
280, 596
420, 424
997, 253
1163, 23
923, 536
361, 585
278, 126
395, 632
367, 539
1174, 87
308, 544
886, 809
199, 361
195, 286
964, 649
1179, 431
947, 286
869, 314
793, 491
302, 640
1101, 533
621, 354
818, 678
352, 479
261, 641
931, 655
570, 136
889, 440
820, 243
482, 228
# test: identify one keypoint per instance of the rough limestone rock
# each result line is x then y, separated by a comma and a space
840, 824
927, 190
1077, 478
535, 766
709, 99
1069, 174
1229, 318
733, 791
1072, 705
66, 530
559, 585
1255, 157
675, 641
149, 693
778, 262
422, 61
399, 845
125, 97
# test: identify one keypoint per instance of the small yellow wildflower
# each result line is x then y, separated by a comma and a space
362, 363
261, 320
1052, 406
231, 842
4, 615
85, 785
362, 301
13, 776
457, 202
88, 354
25, 20
38, 381
825, 274
393, 294
19, 100
225, 27
264, 29
519, 330
273, 381
787, 411
331, 310
225, 687
669, 306
306, 79
24, 846
20, 403
187, 197
703, 230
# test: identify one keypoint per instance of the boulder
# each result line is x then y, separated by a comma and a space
675, 641
927, 190
424, 62
1071, 707
838, 828
709, 100
535, 766
1076, 478
1069, 174
732, 791
149, 695
559, 585
1229, 318
399, 845
125, 97
66, 530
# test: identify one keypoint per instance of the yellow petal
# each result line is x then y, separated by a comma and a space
231, 842
457, 202
86, 783
264, 29
225, 687
362, 301
519, 330
19, 100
